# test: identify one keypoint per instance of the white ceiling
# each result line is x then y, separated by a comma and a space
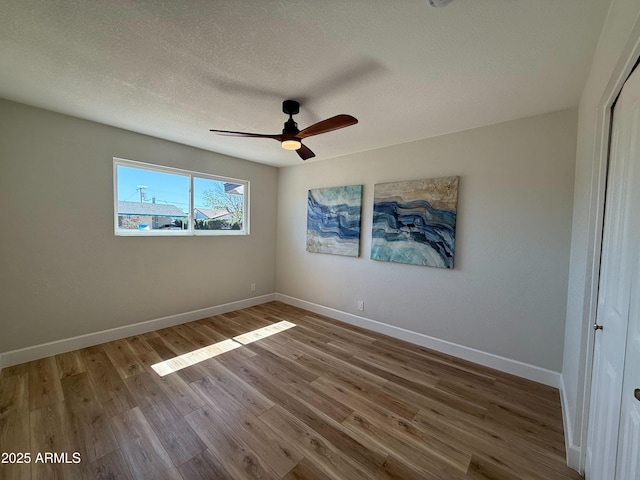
406, 70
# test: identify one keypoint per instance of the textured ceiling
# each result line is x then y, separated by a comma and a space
406, 70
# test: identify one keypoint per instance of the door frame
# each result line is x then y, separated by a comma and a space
597, 192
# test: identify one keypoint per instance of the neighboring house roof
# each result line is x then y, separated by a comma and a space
211, 214
149, 209
233, 188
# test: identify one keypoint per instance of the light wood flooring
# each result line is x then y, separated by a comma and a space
321, 400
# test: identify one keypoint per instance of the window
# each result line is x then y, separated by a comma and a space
155, 200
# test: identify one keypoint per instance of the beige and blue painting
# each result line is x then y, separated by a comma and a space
333, 220
414, 222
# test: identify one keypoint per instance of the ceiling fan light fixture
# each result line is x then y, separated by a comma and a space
291, 144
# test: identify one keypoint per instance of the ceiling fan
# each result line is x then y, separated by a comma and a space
291, 138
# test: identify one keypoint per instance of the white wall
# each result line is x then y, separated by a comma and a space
612, 61
63, 271
507, 293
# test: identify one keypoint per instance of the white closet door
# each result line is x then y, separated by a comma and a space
607, 447
629, 439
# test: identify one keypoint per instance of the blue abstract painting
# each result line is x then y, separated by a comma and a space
333, 220
415, 222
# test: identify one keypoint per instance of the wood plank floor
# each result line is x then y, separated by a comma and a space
320, 400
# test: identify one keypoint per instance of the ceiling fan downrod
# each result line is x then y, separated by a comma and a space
291, 108
289, 141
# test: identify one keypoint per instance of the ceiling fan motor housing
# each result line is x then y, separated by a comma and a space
290, 127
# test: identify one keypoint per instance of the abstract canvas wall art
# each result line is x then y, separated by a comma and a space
415, 222
333, 220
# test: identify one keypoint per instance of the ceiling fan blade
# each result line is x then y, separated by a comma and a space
305, 152
230, 133
328, 125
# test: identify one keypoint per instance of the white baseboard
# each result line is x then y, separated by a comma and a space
514, 367
36, 352
573, 451
531, 372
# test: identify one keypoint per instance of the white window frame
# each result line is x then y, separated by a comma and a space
190, 231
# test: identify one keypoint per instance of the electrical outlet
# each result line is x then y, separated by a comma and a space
361, 305
253, 287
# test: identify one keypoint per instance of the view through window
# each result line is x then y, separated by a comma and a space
155, 200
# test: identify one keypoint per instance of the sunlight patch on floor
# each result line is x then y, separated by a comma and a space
264, 332
200, 355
